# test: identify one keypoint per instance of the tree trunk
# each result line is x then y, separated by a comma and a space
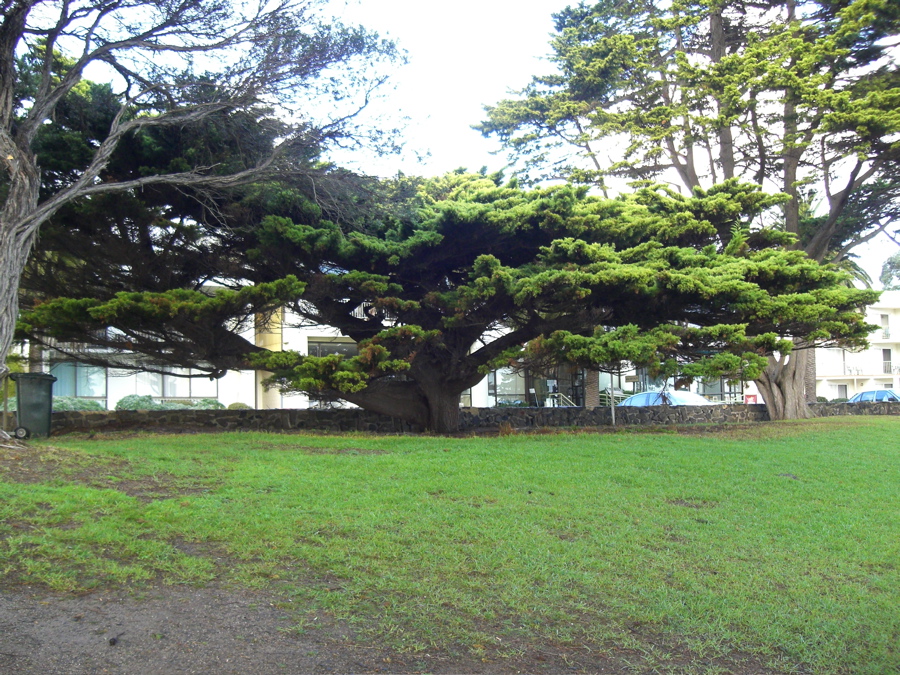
17, 234
444, 413
726, 137
434, 406
14, 251
810, 379
782, 386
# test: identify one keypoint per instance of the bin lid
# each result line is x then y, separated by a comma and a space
31, 376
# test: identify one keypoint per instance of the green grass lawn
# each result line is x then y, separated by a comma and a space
781, 540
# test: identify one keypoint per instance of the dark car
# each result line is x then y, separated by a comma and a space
875, 395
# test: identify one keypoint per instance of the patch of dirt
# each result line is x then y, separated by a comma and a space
37, 464
161, 630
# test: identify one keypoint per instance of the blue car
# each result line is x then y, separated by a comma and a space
875, 395
666, 398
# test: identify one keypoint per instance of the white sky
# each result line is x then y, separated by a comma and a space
462, 56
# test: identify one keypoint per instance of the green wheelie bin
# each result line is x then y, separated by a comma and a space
34, 400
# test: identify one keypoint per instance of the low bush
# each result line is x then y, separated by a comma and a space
135, 402
64, 403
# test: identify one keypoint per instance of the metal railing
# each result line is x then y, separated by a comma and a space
618, 397
560, 400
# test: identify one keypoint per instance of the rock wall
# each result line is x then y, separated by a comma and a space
228, 420
599, 417
470, 418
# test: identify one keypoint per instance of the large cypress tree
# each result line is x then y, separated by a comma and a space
801, 98
440, 280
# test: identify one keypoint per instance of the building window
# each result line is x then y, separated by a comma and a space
507, 387
177, 384
722, 390
842, 391
79, 379
328, 346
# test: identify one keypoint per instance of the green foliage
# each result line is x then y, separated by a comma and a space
237, 405
135, 402
62, 403
801, 96
209, 404
130, 179
420, 282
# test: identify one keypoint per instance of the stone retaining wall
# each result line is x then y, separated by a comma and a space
229, 420
470, 418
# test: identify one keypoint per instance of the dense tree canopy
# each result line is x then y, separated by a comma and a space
175, 217
439, 280
800, 97
195, 73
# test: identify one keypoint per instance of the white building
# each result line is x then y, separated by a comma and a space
841, 373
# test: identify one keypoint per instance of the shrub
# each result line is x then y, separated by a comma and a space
64, 403
237, 405
147, 403
135, 402
209, 404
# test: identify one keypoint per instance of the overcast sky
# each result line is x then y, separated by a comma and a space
462, 55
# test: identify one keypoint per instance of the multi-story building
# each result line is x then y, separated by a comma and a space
841, 373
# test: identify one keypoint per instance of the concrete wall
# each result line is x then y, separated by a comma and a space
470, 418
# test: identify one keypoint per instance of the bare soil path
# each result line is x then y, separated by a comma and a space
169, 630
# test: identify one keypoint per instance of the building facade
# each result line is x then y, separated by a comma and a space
841, 373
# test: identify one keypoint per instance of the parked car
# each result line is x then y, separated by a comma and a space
666, 398
875, 395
